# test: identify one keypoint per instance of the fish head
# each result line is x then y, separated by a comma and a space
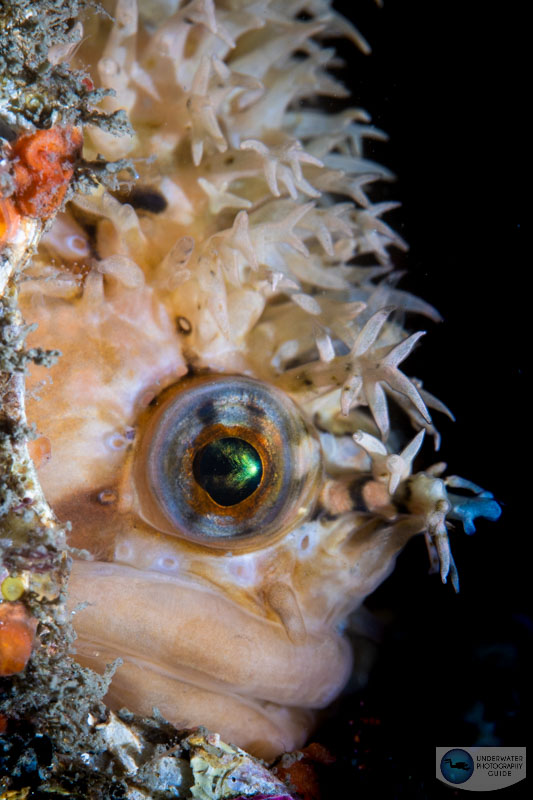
220, 349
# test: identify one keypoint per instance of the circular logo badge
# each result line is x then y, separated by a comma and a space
457, 766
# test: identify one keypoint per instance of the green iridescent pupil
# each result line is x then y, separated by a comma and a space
229, 470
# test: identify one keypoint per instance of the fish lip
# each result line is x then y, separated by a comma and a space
160, 609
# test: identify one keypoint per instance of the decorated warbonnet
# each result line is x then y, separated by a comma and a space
217, 428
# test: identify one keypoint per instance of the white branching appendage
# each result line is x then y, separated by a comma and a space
425, 495
363, 373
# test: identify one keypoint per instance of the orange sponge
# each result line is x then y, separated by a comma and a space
9, 219
43, 165
17, 634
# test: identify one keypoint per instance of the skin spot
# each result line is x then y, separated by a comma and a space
183, 325
107, 496
356, 490
402, 502
145, 199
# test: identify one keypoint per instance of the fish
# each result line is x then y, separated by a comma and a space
217, 428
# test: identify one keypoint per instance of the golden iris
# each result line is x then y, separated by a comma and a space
225, 460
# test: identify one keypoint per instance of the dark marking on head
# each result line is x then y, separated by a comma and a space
356, 492
402, 497
92, 515
145, 199
91, 231
319, 423
87, 221
193, 369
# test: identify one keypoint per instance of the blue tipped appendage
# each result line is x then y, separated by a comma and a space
467, 509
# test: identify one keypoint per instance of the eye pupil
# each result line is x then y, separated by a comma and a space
229, 469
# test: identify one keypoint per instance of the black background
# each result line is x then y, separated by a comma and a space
444, 80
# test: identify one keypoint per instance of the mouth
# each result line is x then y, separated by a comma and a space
195, 654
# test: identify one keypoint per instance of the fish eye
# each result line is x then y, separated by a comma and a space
226, 461
229, 469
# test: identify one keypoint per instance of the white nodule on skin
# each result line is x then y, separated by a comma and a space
242, 569
67, 239
167, 563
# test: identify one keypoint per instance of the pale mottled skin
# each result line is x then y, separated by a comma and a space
254, 253
231, 639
